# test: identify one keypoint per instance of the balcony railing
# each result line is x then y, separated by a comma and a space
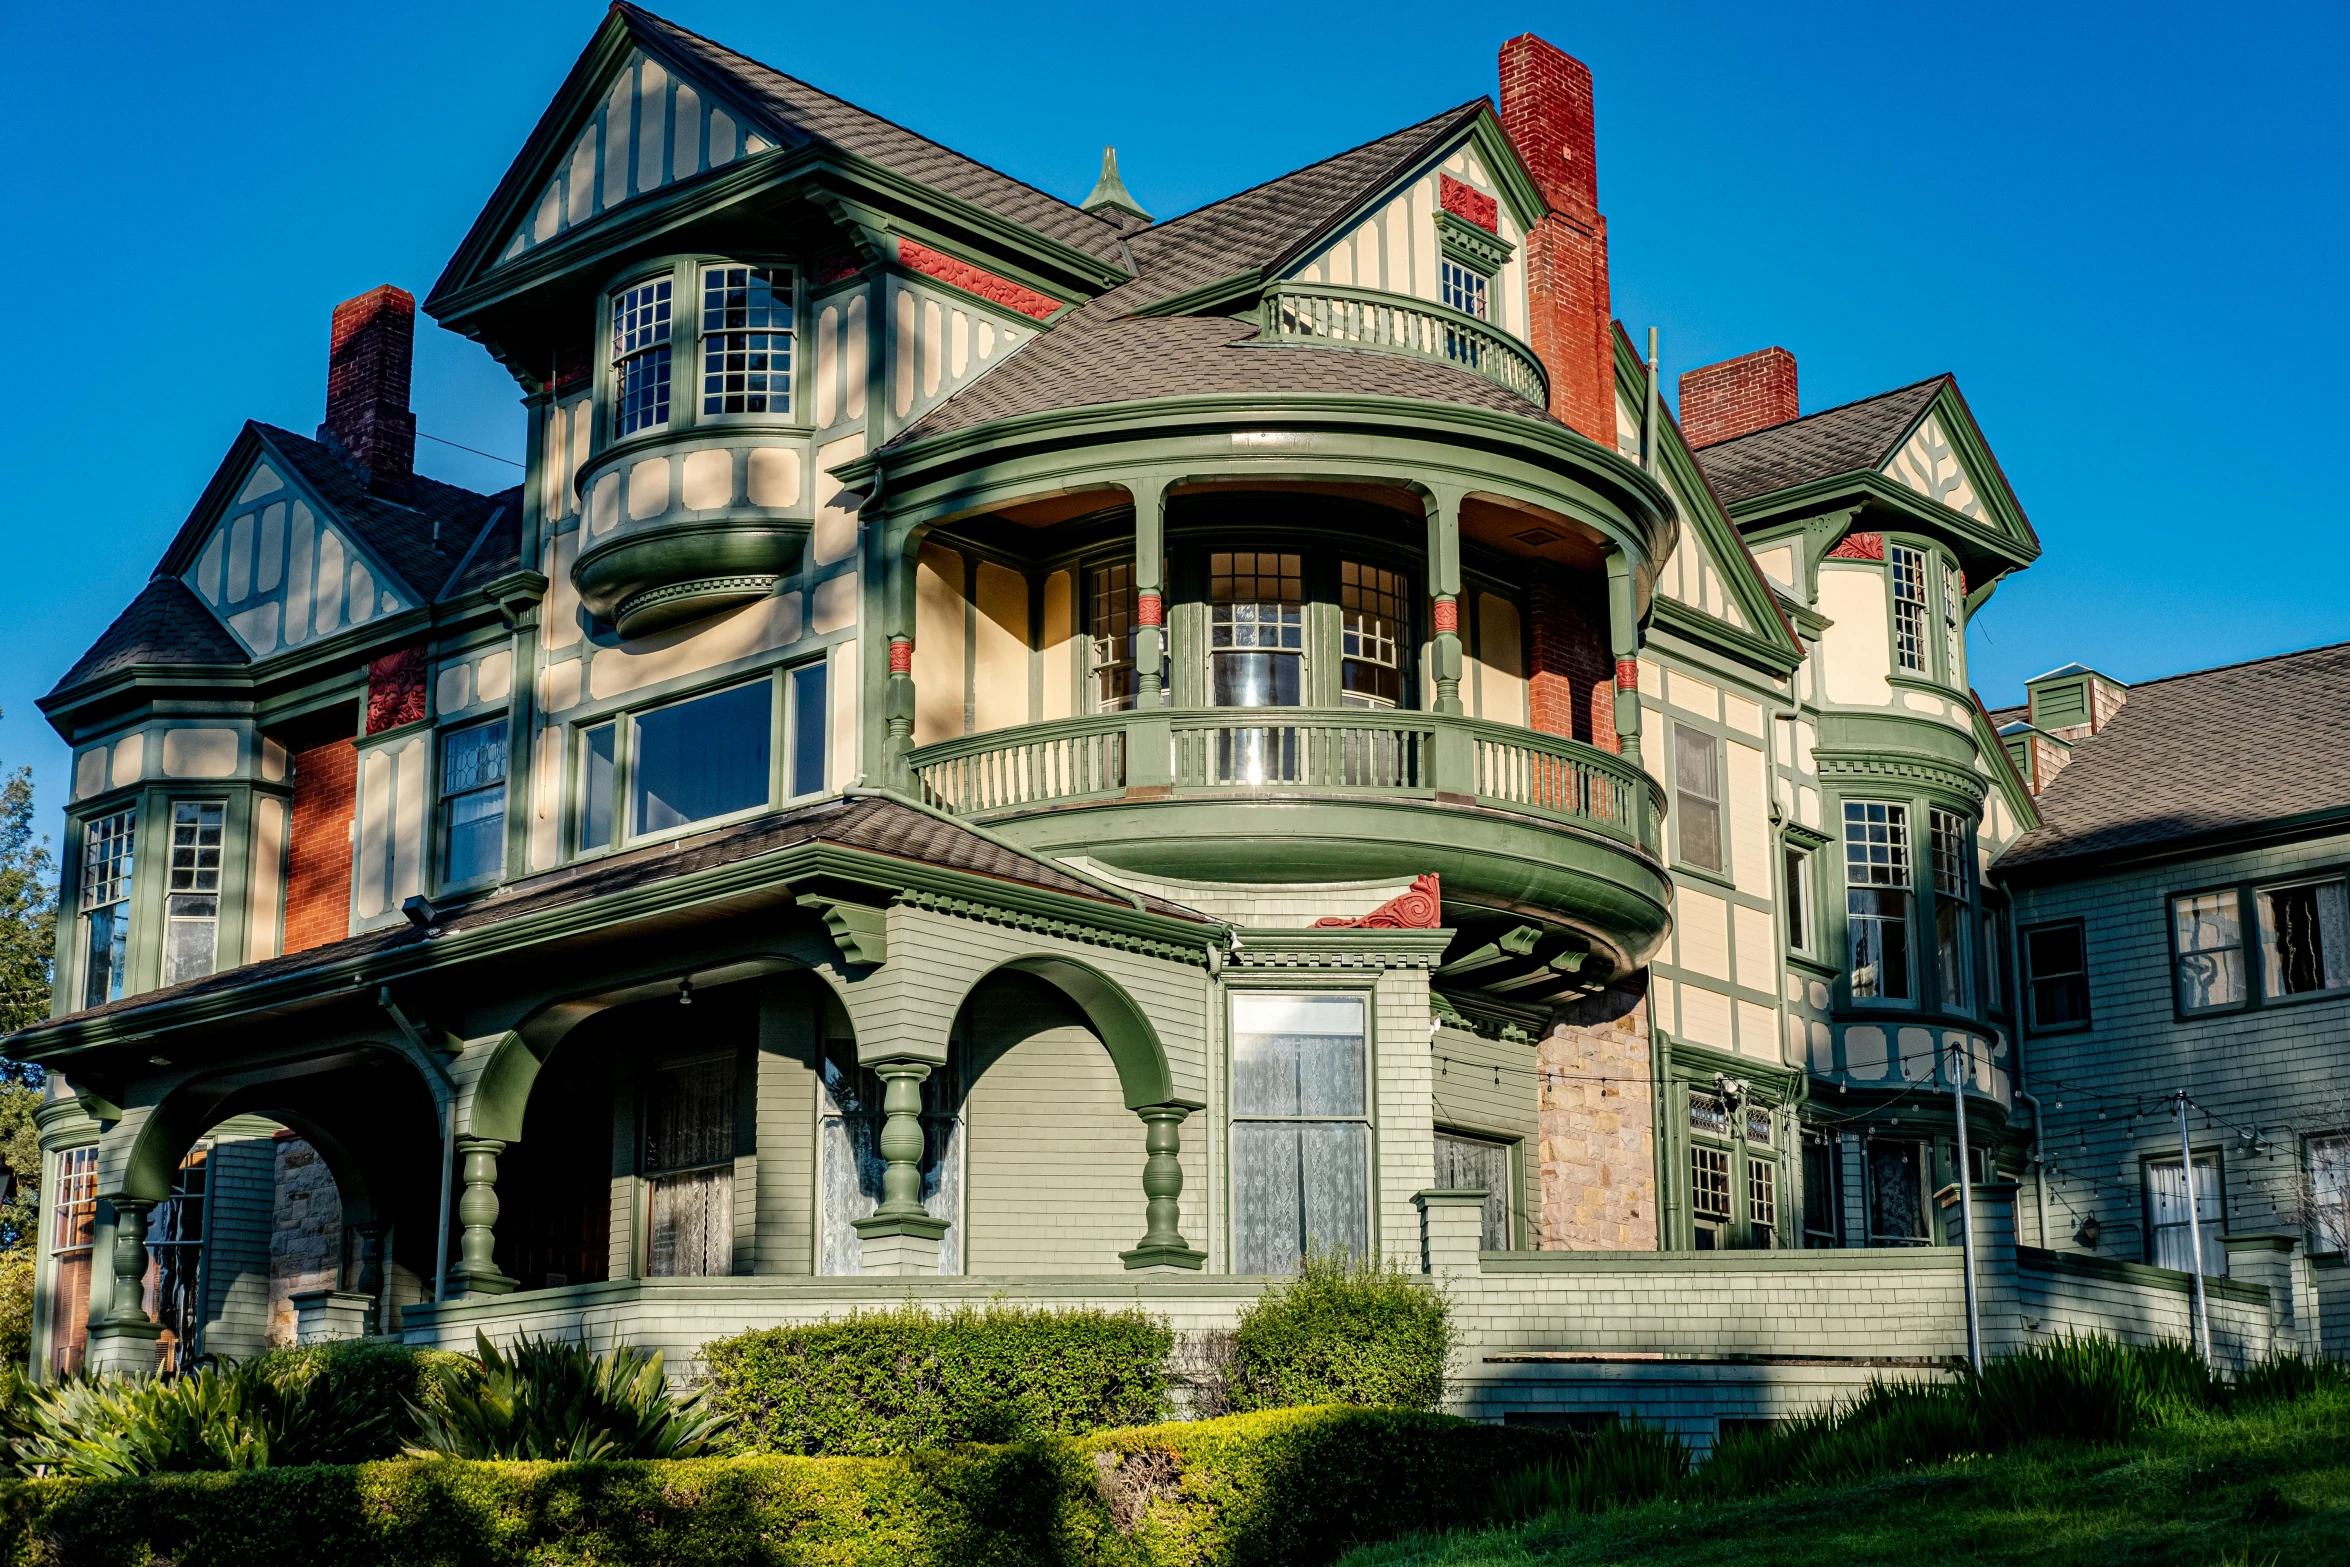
1161, 752
1391, 323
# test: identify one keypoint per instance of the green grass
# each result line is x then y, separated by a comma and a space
2268, 1486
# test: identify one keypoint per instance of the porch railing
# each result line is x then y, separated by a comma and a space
1163, 752
1366, 318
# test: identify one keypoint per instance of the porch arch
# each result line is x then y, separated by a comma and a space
1144, 1076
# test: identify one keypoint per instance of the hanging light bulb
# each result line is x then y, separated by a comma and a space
685, 991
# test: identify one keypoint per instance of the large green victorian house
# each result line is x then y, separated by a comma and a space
1024, 749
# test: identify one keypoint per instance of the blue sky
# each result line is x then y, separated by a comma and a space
2122, 227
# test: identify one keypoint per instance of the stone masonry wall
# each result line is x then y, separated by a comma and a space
306, 1240
1598, 1126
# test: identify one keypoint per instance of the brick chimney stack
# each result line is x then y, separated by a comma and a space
370, 348
1546, 109
1720, 402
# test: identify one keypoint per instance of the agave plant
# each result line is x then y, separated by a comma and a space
214, 1417
553, 1400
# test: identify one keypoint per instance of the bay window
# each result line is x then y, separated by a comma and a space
1910, 648
1877, 894
1953, 928
1111, 626
1371, 635
640, 356
1733, 1174
73, 1229
191, 914
1301, 1133
1256, 658
746, 339
107, 846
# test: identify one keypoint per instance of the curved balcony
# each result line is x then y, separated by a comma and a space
685, 525
1364, 318
1517, 823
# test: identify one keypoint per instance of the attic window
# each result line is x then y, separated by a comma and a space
640, 357
1464, 290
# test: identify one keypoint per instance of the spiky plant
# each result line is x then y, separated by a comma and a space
552, 1400
224, 1416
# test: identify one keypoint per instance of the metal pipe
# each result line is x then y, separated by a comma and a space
1650, 457
2194, 1233
1966, 1211
2039, 1167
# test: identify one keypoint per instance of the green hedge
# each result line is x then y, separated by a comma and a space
1341, 1332
895, 1381
1288, 1486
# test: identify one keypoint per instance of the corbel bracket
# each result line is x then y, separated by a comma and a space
859, 929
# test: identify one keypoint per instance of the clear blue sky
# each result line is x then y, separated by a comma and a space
2123, 227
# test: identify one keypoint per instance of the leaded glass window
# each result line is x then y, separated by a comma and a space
689, 1169
1371, 635
1110, 628
1909, 609
473, 802
746, 340
1877, 883
640, 357
191, 914
107, 846
2207, 941
1301, 1134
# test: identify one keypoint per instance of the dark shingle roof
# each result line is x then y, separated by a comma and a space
2200, 754
798, 108
1858, 437
876, 825
165, 624
401, 535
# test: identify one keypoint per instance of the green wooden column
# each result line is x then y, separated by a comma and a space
128, 1256
901, 1237
474, 1273
897, 707
1623, 630
1162, 1244
123, 1341
1150, 592
1444, 596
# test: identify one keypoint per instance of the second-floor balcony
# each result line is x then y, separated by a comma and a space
1518, 823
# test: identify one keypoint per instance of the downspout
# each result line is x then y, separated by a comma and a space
2039, 1168
1651, 456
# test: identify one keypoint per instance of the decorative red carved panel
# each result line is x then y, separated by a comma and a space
835, 265
1422, 908
901, 658
395, 690
1860, 546
1470, 204
921, 258
1147, 609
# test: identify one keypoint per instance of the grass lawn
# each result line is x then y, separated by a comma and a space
2270, 1486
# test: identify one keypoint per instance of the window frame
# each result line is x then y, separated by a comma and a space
684, 274
1090, 610
2214, 1228
2318, 1228
173, 923
1925, 554
1907, 887
1512, 1150
1480, 294
610, 370
1292, 989
445, 801
1799, 923
701, 267
647, 1177
2027, 1003
71, 1196
783, 733
2250, 924
2256, 973
125, 885
2243, 950
1749, 1168
1719, 802
1942, 823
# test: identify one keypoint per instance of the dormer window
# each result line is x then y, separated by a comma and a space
1909, 610
746, 340
640, 357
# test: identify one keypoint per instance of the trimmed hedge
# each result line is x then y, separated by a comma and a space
894, 1381
1287, 1486
1341, 1332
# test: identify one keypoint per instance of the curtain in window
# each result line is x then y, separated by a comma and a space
2329, 1193
1470, 1164
2302, 934
1896, 1199
2166, 1199
850, 1166
1300, 1140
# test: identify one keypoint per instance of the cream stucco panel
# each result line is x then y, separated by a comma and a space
1858, 647
754, 628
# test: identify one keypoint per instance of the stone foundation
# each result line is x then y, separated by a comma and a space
306, 1239
1598, 1126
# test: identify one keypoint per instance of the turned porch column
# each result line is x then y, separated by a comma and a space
474, 1273
1623, 632
901, 1238
1444, 597
1162, 1244
123, 1342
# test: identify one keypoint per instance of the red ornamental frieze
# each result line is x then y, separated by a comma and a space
1419, 908
395, 690
917, 257
1860, 546
1469, 204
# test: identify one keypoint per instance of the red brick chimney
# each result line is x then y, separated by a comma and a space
1721, 402
370, 347
1546, 108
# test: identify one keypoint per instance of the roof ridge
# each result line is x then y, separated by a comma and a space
1110, 229
417, 478
2221, 669
1164, 224
1822, 413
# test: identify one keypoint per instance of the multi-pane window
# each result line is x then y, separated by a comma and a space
640, 357
1301, 1134
1823, 1191
746, 340
1953, 888
2328, 1203
1877, 893
1471, 1164
1953, 625
1464, 289
1897, 1192
1798, 900
1371, 635
2056, 971
2207, 945
2169, 1237
1697, 790
2304, 930
73, 1228
191, 910
473, 802
1910, 648
107, 845
1733, 1175
1762, 1176
1709, 1192
1256, 658
1110, 603
1995, 959
850, 1166
689, 1169
702, 758
175, 1258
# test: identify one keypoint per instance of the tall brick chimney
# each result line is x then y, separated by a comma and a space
370, 347
1546, 108
1720, 402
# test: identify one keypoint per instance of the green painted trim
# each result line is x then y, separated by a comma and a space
1856, 1259
1144, 1076
2219, 840
1865, 487
2144, 1275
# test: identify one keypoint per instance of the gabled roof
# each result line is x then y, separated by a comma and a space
872, 824
423, 539
1856, 437
2200, 757
165, 624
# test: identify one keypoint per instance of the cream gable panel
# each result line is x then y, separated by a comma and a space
652, 129
1929, 465
1693, 576
1394, 248
278, 576
939, 341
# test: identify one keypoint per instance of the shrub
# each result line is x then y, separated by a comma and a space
2288, 1377
1342, 1332
1622, 1464
549, 1399
215, 1417
894, 1381
373, 1374
16, 1306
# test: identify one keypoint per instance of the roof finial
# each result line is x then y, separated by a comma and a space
1110, 191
